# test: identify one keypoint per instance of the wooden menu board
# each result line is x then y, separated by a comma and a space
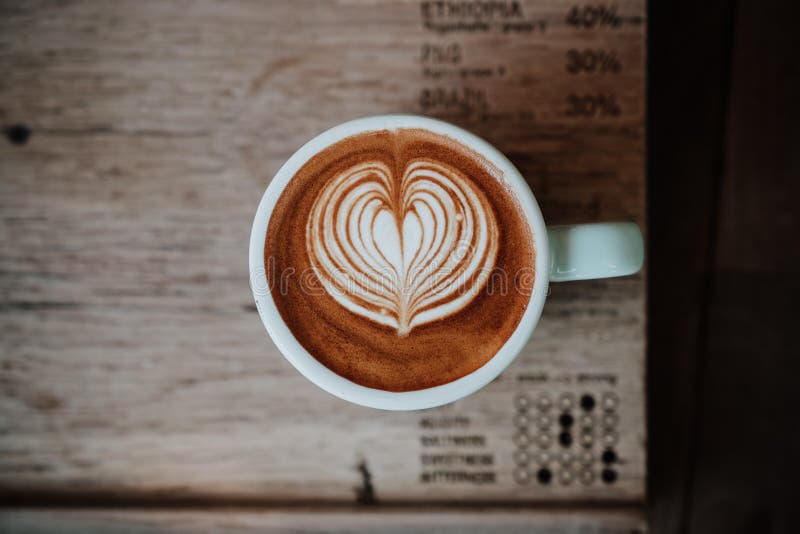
133, 361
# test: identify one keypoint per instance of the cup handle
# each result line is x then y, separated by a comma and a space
599, 250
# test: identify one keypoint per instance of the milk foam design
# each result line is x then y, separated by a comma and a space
402, 251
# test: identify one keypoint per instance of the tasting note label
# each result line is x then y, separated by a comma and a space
451, 453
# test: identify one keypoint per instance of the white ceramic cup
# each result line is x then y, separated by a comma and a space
563, 253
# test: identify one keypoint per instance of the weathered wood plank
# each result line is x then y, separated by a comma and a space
133, 360
326, 520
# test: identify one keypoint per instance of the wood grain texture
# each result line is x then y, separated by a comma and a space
133, 362
326, 520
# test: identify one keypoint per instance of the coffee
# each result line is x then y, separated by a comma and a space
400, 259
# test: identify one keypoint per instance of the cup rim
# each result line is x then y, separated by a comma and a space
336, 384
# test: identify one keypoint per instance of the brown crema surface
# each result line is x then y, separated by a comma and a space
360, 349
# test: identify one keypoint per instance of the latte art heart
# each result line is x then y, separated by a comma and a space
406, 250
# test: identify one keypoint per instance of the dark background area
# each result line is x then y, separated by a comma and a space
724, 165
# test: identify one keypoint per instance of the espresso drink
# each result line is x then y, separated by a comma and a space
400, 259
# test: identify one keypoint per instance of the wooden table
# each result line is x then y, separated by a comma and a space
135, 371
